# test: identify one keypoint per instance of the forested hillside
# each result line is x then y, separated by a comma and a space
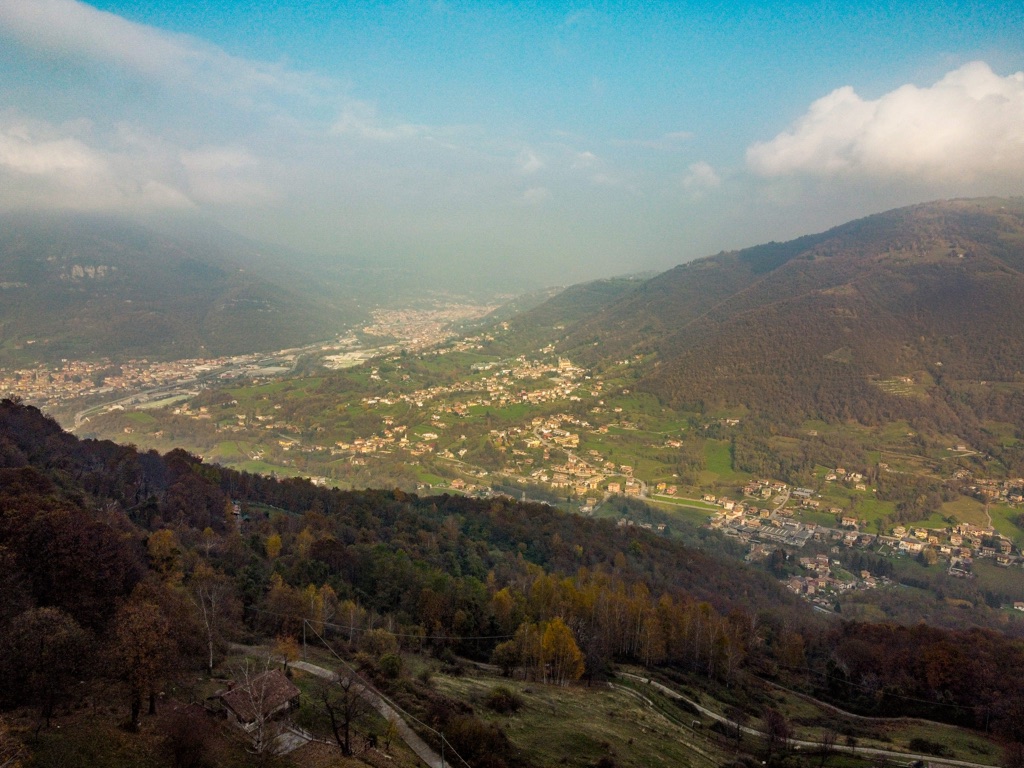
104, 550
827, 325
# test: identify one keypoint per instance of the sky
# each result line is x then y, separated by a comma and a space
557, 142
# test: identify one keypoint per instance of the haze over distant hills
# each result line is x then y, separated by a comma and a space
911, 312
881, 317
75, 285
78, 286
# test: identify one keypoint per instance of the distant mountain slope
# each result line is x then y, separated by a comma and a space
822, 325
76, 286
549, 320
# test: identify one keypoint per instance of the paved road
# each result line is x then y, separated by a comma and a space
781, 504
408, 735
928, 759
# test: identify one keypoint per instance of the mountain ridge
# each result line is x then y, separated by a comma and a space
808, 328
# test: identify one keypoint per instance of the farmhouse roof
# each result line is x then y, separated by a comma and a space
263, 695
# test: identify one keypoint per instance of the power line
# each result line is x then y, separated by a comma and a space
353, 629
389, 702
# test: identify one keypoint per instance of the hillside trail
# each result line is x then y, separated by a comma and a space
926, 759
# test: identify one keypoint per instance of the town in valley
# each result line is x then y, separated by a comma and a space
432, 410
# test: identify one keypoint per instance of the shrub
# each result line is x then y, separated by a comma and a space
391, 665
503, 700
378, 642
482, 744
928, 747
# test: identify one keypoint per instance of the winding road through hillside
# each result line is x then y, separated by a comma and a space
889, 754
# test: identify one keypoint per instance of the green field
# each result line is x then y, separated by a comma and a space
816, 517
1008, 581
424, 476
718, 460
140, 418
1002, 520
234, 451
265, 468
966, 510
687, 511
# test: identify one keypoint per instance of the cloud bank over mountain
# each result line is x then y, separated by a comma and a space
968, 126
567, 145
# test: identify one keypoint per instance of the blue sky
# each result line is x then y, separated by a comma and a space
566, 140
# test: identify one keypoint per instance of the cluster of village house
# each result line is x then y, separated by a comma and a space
1008, 491
760, 527
508, 385
505, 387
418, 329
73, 379
590, 478
515, 382
820, 583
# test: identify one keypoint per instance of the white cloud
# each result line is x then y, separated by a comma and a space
34, 150
701, 176
43, 165
967, 127
584, 160
529, 162
360, 118
71, 29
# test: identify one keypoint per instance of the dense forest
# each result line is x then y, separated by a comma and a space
132, 568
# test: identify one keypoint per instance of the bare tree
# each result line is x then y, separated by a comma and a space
254, 690
777, 732
738, 718
210, 592
345, 705
827, 739
142, 651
